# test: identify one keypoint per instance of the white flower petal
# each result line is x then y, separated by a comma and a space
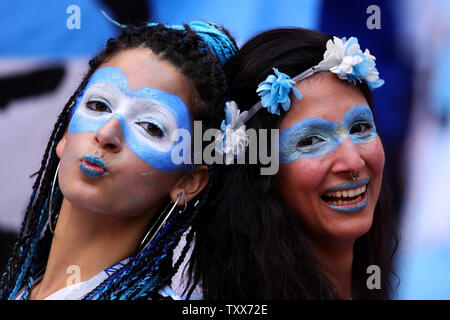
368, 55
353, 50
329, 62
338, 42
372, 76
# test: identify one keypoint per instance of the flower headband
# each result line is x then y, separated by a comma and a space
342, 57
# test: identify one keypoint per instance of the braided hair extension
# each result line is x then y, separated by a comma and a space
191, 54
204, 196
28, 235
143, 267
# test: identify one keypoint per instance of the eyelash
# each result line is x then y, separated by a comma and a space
93, 105
150, 126
302, 143
368, 125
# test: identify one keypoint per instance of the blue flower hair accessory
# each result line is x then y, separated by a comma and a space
274, 91
342, 57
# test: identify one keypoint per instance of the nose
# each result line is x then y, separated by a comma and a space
348, 160
109, 136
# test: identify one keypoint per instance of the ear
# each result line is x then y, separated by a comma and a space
190, 184
61, 145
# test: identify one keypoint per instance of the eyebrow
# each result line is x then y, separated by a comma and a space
358, 110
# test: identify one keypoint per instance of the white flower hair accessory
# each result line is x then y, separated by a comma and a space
345, 58
231, 140
342, 57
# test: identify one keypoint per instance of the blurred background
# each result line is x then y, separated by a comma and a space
45, 46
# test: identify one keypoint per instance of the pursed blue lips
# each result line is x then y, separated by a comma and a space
90, 171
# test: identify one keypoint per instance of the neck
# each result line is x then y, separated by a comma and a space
336, 261
87, 242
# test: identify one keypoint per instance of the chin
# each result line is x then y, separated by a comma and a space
354, 228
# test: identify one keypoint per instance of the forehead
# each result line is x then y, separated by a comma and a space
324, 96
143, 69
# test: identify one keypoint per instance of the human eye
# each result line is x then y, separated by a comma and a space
98, 106
310, 141
362, 128
152, 128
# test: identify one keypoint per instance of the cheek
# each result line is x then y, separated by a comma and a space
74, 146
373, 155
143, 185
300, 180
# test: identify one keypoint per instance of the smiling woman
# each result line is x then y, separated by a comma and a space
108, 202
312, 230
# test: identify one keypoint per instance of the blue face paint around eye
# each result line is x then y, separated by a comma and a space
360, 124
315, 137
311, 137
142, 144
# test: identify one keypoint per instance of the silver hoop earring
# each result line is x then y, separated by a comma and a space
50, 209
162, 224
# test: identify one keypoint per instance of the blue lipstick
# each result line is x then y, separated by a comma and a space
92, 166
351, 208
350, 185
348, 208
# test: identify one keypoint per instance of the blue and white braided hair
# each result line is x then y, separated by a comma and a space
220, 44
142, 275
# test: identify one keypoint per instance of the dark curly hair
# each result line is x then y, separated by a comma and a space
197, 50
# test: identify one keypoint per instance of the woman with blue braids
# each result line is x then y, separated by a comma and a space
110, 209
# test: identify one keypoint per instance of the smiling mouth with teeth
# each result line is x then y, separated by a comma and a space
347, 198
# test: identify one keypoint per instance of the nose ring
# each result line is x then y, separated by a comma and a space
353, 177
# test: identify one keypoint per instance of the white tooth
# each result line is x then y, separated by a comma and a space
344, 193
363, 188
358, 191
340, 202
351, 192
338, 194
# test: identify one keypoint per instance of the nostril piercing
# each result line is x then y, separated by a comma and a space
352, 176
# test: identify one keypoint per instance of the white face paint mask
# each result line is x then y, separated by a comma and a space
147, 116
